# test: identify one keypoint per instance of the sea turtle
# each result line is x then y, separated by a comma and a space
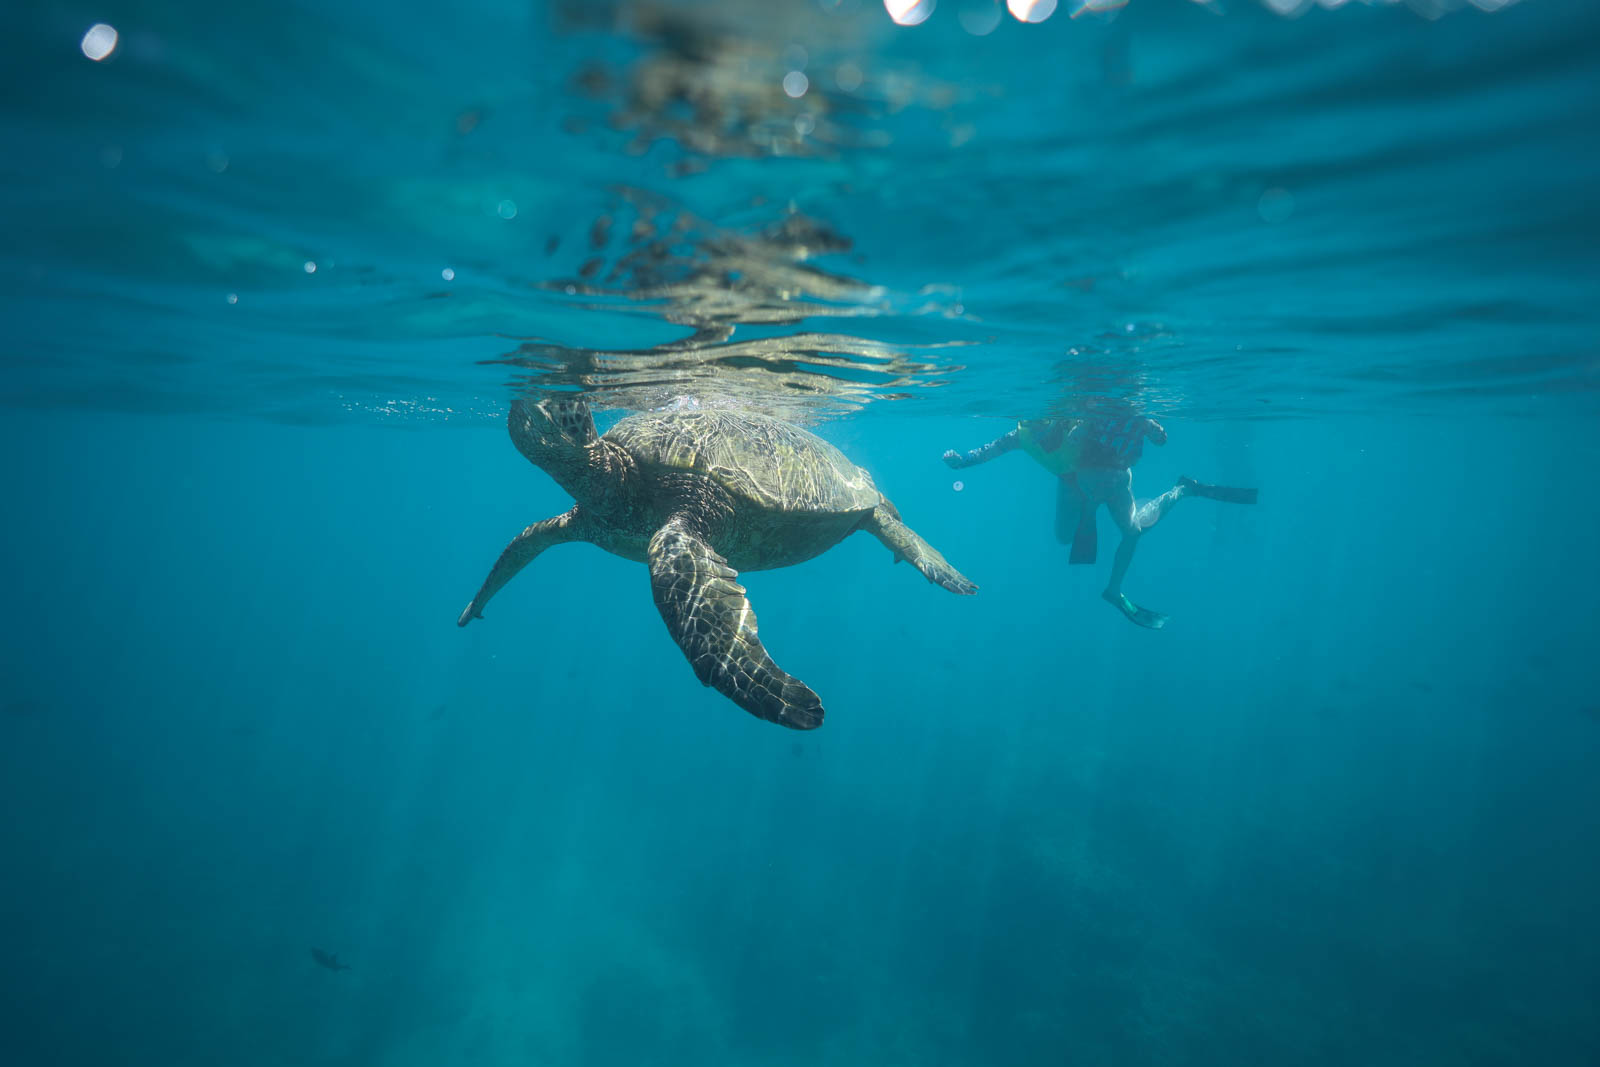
700, 496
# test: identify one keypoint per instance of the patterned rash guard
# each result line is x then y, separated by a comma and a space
1062, 446
1112, 444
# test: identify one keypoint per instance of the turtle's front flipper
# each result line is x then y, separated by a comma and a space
571, 526
885, 524
705, 610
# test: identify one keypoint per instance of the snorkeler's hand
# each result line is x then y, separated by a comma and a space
1155, 432
954, 459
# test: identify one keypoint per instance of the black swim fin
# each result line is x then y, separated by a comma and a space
1224, 493
1086, 539
1075, 520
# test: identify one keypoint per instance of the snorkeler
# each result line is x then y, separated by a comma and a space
1092, 459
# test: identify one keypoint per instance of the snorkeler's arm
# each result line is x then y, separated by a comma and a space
1154, 432
998, 447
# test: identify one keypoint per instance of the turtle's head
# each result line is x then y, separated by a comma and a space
556, 433
553, 424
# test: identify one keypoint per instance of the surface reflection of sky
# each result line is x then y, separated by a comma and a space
1241, 205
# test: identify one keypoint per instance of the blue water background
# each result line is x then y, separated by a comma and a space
1341, 810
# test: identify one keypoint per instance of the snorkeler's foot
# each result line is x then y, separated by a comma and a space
1150, 620
1226, 494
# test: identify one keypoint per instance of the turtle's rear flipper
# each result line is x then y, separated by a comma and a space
885, 524
706, 612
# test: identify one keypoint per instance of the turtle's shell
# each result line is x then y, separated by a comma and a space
769, 463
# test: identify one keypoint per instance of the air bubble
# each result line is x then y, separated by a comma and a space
909, 12
980, 18
1032, 10
1275, 205
99, 42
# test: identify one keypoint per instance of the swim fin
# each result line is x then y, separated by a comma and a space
1150, 620
1075, 520
1224, 493
1085, 540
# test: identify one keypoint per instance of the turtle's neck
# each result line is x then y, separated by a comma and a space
600, 476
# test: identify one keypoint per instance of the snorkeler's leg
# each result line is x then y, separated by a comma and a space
1116, 492
1119, 501
1151, 511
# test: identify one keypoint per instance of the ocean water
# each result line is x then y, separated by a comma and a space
272, 276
